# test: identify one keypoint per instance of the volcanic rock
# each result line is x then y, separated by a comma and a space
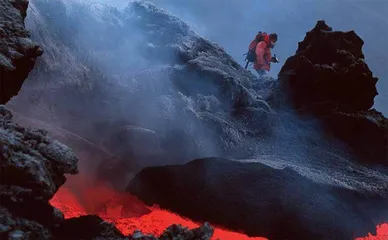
204, 232
87, 227
14, 227
93, 227
329, 72
260, 200
329, 77
365, 132
32, 168
17, 51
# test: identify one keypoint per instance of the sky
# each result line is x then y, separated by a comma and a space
233, 23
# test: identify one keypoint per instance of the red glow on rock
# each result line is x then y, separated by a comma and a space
381, 233
126, 212
79, 197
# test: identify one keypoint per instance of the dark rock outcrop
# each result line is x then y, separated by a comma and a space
17, 51
329, 72
328, 77
260, 200
32, 168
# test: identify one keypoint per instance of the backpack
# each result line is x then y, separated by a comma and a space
251, 55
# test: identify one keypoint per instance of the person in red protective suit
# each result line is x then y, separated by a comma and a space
263, 54
259, 52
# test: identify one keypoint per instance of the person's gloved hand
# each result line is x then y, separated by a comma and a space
274, 59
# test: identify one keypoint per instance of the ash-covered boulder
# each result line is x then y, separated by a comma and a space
329, 77
17, 51
262, 201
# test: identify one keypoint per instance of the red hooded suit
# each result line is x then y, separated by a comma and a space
263, 54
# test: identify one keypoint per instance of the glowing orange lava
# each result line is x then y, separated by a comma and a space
109, 206
129, 214
381, 233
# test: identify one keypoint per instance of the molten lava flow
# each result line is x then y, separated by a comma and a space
381, 233
129, 214
125, 211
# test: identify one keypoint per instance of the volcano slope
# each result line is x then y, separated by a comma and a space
317, 194
192, 99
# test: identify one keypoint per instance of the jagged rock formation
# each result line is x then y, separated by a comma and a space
328, 76
329, 72
17, 52
261, 200
32, 168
